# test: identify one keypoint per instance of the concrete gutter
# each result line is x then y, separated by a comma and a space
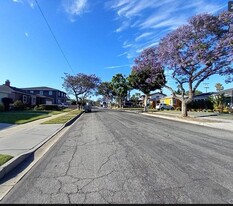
15, 161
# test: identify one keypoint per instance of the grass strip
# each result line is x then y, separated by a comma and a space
64, 118
21, 117
4, 158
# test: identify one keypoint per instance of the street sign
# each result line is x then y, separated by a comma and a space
230, 6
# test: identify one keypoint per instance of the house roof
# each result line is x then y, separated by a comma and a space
5, 89
205, 94
157, 94
171, 96
42, 88
229, 92
19, 90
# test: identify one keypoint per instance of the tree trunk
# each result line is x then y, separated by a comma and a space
184, 109
145, 103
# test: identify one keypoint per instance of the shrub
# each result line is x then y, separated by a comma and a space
178, 109
2, 107
18, 105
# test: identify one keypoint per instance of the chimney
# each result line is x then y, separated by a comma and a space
7, 83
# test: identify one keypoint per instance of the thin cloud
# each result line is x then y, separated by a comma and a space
115, 67
125, 53
143, 36
75, 8
153, 19
124, 26
31, 3
126, 45
26, 34
17, 1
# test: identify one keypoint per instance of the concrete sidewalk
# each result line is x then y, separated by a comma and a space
207, 120
213, 120
17, 139
23, 140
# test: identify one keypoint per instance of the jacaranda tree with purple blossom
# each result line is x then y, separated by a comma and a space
194, 52
147, 74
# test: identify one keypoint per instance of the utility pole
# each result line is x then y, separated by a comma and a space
206, 86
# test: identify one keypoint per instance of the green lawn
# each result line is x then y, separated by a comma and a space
64, 118
21, 117
4, 158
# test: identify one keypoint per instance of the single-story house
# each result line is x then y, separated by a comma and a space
170, 100
203, 96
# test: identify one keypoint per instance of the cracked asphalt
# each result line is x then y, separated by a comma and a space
118, 157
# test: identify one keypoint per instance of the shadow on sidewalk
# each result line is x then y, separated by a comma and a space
17, 169
6, 125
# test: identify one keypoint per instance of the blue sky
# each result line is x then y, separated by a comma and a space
100, 37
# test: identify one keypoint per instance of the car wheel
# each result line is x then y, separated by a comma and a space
172, 108
162, 109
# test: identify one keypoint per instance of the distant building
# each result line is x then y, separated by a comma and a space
50, 95
33, 95
203, 96
170, 100
153, 99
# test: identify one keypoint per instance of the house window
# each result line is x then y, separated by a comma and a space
174, 102
41, 93
24, 99
33, 100
32, 92
50, 93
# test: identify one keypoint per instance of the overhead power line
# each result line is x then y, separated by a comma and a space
51, 31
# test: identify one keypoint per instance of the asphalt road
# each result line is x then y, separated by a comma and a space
118, 157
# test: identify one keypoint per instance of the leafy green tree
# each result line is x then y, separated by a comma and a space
218, 99
147, 74
197, 92
120, 87
80, 85
219, 87
135, 98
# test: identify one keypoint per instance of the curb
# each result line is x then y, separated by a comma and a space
15, 161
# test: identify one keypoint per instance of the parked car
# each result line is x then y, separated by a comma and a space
87, 108
162, 106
